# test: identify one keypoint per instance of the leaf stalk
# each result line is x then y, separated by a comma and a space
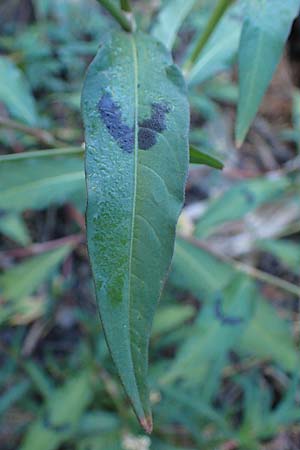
126, 5
216, 16
42, 136
118, 14
244, 268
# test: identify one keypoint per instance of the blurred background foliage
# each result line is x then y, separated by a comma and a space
225, 347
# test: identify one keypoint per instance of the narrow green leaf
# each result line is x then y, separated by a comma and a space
104, 441
200, 157
288, 252
13, 226
268, 336
219, 10
136, 118
15, 93
23, 279
41, 380
98, 422
60, 416
221, 321
38, 179
220, 49
296, 115
238, 201
222, 91
265, 30
195, 404
171, 317
197, 270
159, 445
22, 311
13, 394
170, 19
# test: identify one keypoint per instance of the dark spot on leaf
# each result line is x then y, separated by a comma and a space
47, 422
111, 115
249, 196
225, 320
147, 138
149, 128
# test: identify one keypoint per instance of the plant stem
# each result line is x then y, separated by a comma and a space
125, 5
117, 14
266, 277
217, 14
245, 268
35, 249
43, 153
41, 135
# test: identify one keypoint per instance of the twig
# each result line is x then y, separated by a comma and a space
41, 135
118, 14
35, 249
244, 268
244, 366
217, 14
294, 228
126, 7
43, 153
76, 215
33, 336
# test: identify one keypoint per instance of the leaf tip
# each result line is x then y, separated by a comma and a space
219, 165
238, 143
147, 424
240, 136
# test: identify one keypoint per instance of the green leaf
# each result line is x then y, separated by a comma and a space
38, 179
41, 380
105, 441
193, 405
171, 317
265, 30
197, 270
200, 157
23, 279
22, 311
220, 49
288, 252
268, 336
159, 445
221, 322
222, 91
59, 418
296, 115
203, 106
13, 226
15, 93
13, 394
136, 118
241, 199
98, 422
170, 19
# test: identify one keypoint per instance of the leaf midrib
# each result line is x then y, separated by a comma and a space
133, 217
